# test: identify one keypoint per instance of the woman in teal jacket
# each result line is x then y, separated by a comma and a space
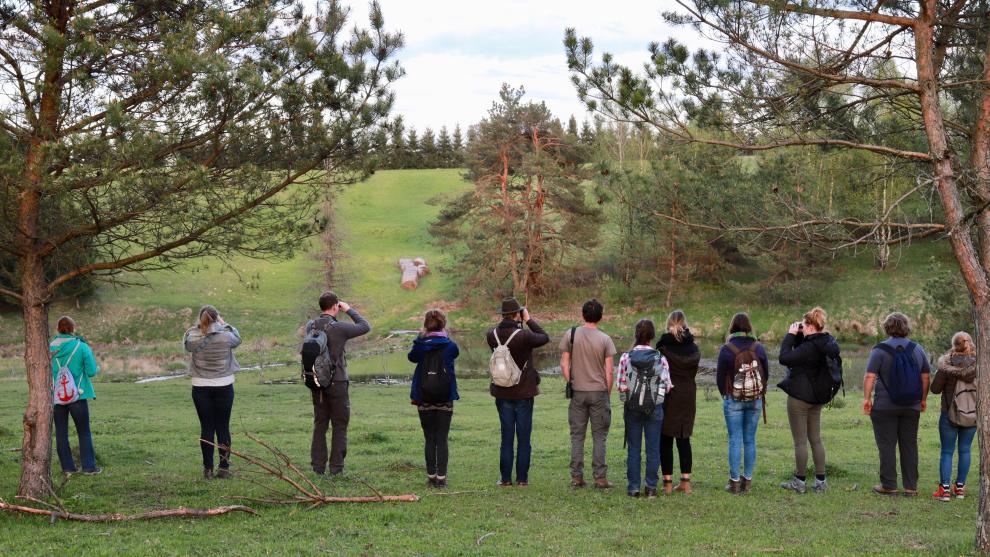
70, 350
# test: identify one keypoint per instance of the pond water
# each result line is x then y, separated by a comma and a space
473, 361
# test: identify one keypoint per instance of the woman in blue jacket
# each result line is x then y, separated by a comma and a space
71, 351
434, 390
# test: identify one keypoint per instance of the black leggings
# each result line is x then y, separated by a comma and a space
213, 405
667, 454
436, 428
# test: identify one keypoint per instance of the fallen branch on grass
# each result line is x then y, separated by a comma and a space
304, 491
56, 513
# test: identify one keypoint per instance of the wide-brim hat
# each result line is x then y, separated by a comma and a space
510, 305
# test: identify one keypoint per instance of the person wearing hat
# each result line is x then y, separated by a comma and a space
515, 404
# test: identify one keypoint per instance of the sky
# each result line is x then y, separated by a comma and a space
458, 53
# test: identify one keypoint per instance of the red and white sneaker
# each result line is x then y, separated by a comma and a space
959, 491
942, 493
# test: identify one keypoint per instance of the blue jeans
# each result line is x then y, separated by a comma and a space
948, 434
516, 418
741, 419
637, 427
79, 410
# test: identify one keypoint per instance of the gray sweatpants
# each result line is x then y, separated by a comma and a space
806, 425
590, 406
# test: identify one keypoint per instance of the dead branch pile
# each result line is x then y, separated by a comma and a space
302, 490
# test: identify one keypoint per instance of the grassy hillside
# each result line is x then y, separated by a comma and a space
145, 438
136, 330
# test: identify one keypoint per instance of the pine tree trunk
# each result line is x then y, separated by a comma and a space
981, 313
36, 445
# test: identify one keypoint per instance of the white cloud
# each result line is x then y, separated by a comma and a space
458, 53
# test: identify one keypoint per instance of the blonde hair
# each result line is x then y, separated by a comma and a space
208, 315
816, 318
677, 324
962, 343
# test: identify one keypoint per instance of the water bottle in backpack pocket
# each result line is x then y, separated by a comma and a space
434, 380
904, 382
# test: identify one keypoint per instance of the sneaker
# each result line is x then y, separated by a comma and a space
942, 493
651, 493
821, 486
795, 484
959, 491
93, 472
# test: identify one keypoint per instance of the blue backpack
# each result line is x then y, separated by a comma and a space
904, 388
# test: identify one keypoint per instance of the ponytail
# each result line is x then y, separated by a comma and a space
208, 315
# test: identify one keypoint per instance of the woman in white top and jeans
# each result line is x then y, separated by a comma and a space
212, 366
638, 423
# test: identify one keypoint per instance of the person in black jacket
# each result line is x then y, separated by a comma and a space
808, 386
679, 408
515, 404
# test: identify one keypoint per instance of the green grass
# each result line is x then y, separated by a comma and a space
136, 330
145, 440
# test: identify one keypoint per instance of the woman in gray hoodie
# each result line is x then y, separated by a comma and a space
212, 365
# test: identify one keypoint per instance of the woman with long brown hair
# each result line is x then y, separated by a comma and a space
678, 347
955, 380
212, 365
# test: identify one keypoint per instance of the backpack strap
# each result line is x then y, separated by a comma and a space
514, 333
60, 365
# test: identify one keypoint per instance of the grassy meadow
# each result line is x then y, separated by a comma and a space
145, 438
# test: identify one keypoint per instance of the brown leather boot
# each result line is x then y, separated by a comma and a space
732, 487
668, 487
577, 481
746, 483
685, 486
602, 483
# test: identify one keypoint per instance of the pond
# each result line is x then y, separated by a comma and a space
473, 361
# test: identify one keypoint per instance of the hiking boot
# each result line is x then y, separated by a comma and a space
684, 487
651, 493
441, 482
602, 483
732, 487
522, 484
577, 482
910, 492
93, 472
503, 483
633, 493
959, 491
668, 487
942, 493
207, 473
821, 486
881, 490
745, 485
795, 484
224, 474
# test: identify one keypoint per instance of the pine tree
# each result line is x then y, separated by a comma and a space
428, 148
458, 146
145, 132
445, 149
414, 155
572, 128
398, 150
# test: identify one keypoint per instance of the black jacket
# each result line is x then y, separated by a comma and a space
680, 407
808, 378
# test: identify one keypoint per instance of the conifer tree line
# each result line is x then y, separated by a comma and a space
397, 146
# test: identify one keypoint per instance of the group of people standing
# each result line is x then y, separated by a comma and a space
656, 384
